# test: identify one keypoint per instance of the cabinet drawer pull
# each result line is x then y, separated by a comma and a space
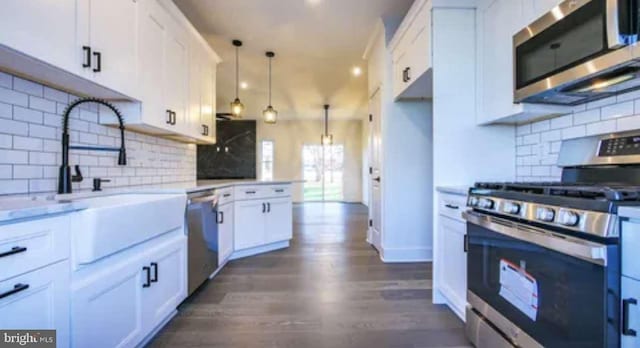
250, 192
452, 206
148, 270
87, 57
220, 217
14, 250
279, 190
154, 265
98, 67
226, 195
626, 331
16, 289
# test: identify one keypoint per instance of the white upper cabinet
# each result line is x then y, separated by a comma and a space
497, 22
411, 54
202, 78
107, 32
42, 29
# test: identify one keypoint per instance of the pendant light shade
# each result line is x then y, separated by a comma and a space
326, 138
270, 114
236, 106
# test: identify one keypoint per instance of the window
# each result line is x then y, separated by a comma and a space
323, 168
266, 166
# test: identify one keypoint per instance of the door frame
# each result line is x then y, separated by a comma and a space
376, 94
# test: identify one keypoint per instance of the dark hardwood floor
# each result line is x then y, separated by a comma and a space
329, 289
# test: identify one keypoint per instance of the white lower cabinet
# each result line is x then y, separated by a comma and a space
631, 310
454, 279
225, 232
121, 305
38, 300
278, 220
249, 224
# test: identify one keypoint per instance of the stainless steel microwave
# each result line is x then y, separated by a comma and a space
580, 51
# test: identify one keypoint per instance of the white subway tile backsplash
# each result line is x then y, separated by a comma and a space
29, 87
536, 157
617, 110
30, 132
583, 117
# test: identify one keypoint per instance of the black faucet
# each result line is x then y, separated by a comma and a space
65, 178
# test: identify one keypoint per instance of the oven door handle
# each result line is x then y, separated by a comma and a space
582, 249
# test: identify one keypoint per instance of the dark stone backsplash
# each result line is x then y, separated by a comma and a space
234, 154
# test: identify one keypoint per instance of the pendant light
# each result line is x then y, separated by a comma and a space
270, 114
236, 106
326, 138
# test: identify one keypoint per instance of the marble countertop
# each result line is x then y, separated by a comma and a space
23, 207
456, 190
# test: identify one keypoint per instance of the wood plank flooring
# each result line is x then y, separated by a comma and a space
329, 289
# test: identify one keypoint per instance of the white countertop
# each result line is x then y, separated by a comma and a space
456, 190
629, 212
23, 207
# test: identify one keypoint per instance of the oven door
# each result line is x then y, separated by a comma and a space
575, 40
542, 288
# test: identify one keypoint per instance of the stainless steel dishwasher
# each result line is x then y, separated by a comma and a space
202, 232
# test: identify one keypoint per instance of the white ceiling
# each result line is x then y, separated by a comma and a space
316, 42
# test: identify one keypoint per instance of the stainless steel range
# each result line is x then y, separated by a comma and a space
544, 258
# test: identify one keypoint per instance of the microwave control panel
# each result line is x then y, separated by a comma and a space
625, 146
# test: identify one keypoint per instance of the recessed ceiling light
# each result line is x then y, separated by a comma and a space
244, 85
313, 2
356, 71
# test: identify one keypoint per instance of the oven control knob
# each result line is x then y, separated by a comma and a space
486, 203
569, 218
511, 208
545, 214
473, 201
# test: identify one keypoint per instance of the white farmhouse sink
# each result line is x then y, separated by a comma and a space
114, 223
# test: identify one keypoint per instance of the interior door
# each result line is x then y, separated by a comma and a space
375, 197
42, 29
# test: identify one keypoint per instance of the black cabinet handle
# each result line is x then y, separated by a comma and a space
16, 289
250, 192
408, 76
220, 217
14, 250
154, 265
148, 270
404, 75
466, 243
170, 119
279, 190
268, 207
264, 208
98, 67
87, 57
626, 331
173, 113
226, 195
205, 130
452, 206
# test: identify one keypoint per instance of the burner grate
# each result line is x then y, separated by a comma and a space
573, 190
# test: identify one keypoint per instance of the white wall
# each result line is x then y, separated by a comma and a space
538, 143
30, 132
289, 136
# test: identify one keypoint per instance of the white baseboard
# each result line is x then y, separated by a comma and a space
393, 255
259, 250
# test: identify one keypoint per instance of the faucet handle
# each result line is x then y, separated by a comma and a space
78, 176
97, 183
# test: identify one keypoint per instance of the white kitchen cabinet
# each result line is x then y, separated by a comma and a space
40, 300
631, 300
202, 77
123, 300
208, 100
176, 75
106, 311
249, 229
109, 30
411, 54
450, 261
168, 288
225, 232
497, 22
42, 29
278, 220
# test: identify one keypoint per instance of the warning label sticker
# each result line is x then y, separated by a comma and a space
519, 288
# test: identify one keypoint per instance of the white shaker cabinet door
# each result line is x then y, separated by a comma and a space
279, 220
225, 231
176, 75
113, 40
42, 29
249, 224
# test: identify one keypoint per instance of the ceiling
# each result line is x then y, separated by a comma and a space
317, 43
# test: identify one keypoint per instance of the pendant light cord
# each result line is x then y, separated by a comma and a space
326, 121
237, 72
270, 81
